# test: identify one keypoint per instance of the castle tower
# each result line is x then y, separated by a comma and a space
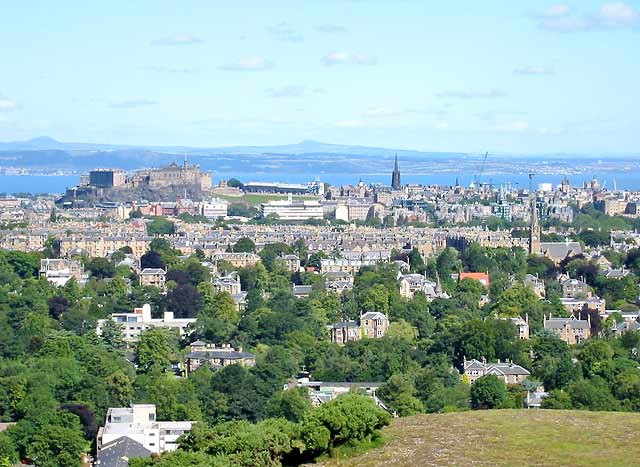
395, 177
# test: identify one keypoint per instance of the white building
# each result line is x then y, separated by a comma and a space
59, 271
139, 424
214, 208
134, 324
290, 210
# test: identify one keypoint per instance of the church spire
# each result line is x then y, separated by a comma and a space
395, 177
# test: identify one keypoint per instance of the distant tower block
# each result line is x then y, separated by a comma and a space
395, 177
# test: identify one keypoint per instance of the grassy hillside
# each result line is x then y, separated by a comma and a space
506, 438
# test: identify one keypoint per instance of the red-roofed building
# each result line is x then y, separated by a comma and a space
481, 277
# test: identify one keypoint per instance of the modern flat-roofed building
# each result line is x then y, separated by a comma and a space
214, 208
138, 423
290, 210
134, 324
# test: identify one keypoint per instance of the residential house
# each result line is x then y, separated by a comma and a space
117, 453
292, 262
574, 288
345, 331
153, 277
59, 271
302, 291
134, 324
573, 305
536, 285
482, 277
229, 284
202, 353
570, 330
522, 326
239, 260
321, 392
509, 372
374, 324
139, 424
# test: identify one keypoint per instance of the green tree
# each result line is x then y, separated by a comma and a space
161, 226
154, 350
293, 404
244, 245
489, 392
100, 268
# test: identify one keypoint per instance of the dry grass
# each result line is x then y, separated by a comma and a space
507, 438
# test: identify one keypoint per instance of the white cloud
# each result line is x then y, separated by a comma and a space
442, 126
331, 28
556, 11
286, 91
350, 124
380, 112
492, 94
284, 32
561, 18
617, 14
132, 104
533, 70
174, 70
514, 126
348, 58
566, 24
7, 105
178, 39
248, 64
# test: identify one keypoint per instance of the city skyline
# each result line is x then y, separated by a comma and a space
531, 77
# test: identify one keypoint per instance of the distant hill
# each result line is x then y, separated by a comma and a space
511, 438
304, 147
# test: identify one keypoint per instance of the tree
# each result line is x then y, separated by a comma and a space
152, 259
100, 268
57, 305
154, 350
184, 301
111, 335
293, 404
271, 252
348, 418
161, 226
489, 392
52, 439
234, 183
402, 330
399, 394
244, 245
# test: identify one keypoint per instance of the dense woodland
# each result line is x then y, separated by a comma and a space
58, 378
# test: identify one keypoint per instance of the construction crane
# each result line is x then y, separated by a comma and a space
479, 176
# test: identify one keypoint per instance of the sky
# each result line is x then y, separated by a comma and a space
473, 76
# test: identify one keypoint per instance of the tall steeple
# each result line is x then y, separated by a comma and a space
395, 177
534, 233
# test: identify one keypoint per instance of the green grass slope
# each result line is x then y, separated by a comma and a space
506, 438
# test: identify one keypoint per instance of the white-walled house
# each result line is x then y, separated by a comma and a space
139, 424
134, 324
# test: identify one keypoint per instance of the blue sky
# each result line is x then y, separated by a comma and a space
501, 76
